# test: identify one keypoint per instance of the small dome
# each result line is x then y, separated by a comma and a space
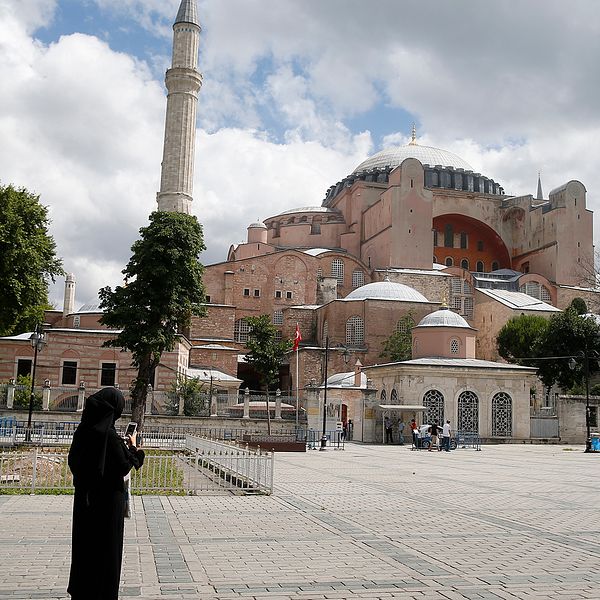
386, 290
444, 318
257, 225
346, 380
426, 155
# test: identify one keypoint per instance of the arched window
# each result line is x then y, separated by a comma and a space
454, 346
278, 317
464, 263
355, 331
383, 397
434, 259
545, 294
449, 236
468, 412
241, 329
337, 270
434, 401
449, 261
394, 397
495, 266
325, 330
358, 279
480, 268
502, 415
315, 228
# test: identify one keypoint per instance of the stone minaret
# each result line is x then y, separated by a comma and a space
69, 301
183, 83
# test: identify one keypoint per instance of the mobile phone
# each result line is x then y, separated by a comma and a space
131, 429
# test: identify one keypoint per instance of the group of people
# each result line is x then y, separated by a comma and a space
435, 430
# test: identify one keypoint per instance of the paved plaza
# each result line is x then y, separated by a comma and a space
367, 522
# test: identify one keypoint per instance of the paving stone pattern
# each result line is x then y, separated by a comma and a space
370, 522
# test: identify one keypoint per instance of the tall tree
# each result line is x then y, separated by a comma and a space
28, 260
164, 290
521, 338
265, 353
399, 345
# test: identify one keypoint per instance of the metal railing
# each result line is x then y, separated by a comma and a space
46, 471
232, 467
335, 439
468, 439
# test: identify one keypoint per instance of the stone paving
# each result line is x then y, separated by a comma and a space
369, 522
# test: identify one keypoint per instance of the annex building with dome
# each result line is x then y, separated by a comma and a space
412, 234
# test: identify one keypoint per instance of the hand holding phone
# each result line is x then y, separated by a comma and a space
130, 432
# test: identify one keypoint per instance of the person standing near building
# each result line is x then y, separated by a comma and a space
99, 460
387, 423
446, 432
401, 432
415, 433
434, 436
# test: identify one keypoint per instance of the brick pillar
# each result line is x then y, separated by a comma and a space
81, 396
10, 398
46, 395
278, 405
247, 403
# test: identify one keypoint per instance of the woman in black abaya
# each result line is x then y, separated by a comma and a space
99, 459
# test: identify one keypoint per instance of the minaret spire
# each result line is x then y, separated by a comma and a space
183, 83
539, 195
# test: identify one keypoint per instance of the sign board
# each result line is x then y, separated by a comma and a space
339, 426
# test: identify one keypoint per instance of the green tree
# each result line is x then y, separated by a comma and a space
163, 292
579, 306
265, 353
23, 394
192, 393
399, 345
28, 260
521, 338
569, 334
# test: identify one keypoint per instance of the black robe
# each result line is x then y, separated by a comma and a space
99, 459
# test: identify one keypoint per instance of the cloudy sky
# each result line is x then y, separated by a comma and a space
296, 94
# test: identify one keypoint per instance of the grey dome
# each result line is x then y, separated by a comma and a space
257, 225
426, 155
386, 290
91, 307
444, 318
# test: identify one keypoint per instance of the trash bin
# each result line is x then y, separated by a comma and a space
595, 442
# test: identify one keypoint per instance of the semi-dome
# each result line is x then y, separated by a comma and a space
386, 290
427, 155
444, 318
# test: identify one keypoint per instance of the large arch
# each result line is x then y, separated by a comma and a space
465, 238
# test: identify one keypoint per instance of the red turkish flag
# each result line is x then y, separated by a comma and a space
297, 339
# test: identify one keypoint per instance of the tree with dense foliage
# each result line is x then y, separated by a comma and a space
28, 260
163, 290
521, 338
399, 345
192, 394
579, 306
265, 353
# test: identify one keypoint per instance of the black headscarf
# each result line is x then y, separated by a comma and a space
87, 455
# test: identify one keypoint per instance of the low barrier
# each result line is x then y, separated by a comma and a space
468, 439
233, 467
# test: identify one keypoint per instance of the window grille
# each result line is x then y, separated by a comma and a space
394, 397
454, 346
457, 303
241, 329
468, 308
76, 322
383, 397
502, 415
355, 331
108, 374
278, 336
358, 279
319, 273
402, 326
456, 285
464, 263
545, 294
468, 412
434, 401
278, 317
325, 330
449, 236
337, 270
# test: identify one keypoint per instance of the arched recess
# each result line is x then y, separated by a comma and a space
481, 241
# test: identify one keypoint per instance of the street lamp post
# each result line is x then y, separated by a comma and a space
586, 372
324, 435
38, 341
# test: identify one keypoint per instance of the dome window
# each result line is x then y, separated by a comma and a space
278, 317
464, 263
480, 267
337, 270
495, 266
355, 331
241, 329
358, 279
449, 261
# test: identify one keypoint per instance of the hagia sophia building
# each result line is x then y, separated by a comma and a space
413, 230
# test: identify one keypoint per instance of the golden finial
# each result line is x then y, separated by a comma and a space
413, 137
444, 301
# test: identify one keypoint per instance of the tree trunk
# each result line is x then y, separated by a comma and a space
268, 414
139, 391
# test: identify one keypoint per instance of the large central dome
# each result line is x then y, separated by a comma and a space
427, 155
